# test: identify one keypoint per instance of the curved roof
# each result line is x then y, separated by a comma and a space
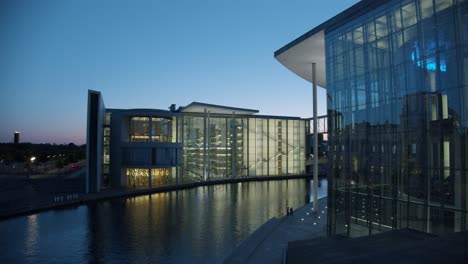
299, 54
299, 58
197, 107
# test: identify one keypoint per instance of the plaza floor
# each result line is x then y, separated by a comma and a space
268, 243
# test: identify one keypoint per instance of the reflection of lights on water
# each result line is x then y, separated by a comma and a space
32, 235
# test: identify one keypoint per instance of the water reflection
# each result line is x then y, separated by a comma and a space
31, 235
200, 225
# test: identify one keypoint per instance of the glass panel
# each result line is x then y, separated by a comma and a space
161, 129
139, 129
193, 164
161, 177
409, 14
426, 8
398, 122
137, 177
108, 118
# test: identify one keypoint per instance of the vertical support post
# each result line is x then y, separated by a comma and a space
248, 146
204, 145
150, 153
208, 146
233, 145
177, 140
315, 190
182, 153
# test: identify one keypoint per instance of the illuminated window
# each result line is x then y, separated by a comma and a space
161, 176
137, 177
161, 129
139, 129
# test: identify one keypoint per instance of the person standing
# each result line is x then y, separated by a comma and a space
287, 210
291, 211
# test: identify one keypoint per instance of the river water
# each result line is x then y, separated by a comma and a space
199, 225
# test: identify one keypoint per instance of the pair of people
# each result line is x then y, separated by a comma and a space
289, 211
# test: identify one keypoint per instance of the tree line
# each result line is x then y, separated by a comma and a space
23, 152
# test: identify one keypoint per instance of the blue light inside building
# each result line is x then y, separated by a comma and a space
431, 64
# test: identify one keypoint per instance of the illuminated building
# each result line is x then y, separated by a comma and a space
147, 148
396, 75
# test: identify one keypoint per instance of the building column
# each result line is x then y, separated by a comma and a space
208, 147
233, 145
204, 144
177, 140
315, 187
150, 153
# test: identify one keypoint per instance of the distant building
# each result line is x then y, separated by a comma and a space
396, 74
146, 148
16, 137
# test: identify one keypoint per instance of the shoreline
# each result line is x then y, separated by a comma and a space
78, 199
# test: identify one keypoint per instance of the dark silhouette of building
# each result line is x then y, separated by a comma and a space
16, 137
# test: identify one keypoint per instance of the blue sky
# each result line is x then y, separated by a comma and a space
147, 54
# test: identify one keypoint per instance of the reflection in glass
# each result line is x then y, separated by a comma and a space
397, 107
139, 129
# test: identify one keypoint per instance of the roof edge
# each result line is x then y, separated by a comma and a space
347, 15
220, 106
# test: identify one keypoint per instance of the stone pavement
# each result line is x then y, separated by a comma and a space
396, 246
268, 243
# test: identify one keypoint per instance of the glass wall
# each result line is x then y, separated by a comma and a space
163, 176
146, 178
215, 147
150, 165
139, 129
238, 147
398, 119
163, 129
194, 147
106, 152
137, 177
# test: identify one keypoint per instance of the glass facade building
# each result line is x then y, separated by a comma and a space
397, 96
229, 146
148, 148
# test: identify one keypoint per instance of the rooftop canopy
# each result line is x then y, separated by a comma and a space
309, 48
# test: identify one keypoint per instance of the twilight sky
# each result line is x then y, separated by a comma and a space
147, 54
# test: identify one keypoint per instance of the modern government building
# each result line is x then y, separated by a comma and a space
396, 76
148, 148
